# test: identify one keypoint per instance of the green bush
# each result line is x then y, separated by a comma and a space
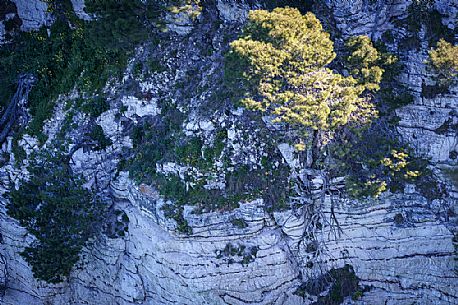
333, 287
98, 136
444, 61
59, 212
77, 53
374, 162
280, 65
95, 106
175, 212
190, 152
239, 223
364, 61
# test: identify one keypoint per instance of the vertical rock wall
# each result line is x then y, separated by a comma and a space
400, 245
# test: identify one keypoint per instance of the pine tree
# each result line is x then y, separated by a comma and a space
444, 61
363, 62
281, 66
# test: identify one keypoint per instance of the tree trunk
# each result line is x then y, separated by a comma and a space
18, 101
316, 147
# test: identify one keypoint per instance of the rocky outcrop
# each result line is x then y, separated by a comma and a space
230, 12
400, 245
19, 15
363, 17
430, 127
397, 245
410, 257
33, 13
78, 8
429, 124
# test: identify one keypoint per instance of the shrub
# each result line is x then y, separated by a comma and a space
444, 62
340, 282
239, 223
374, 162
59, 212
192, 8
95, 106
83, 54
98, 136
364, 62
175, 212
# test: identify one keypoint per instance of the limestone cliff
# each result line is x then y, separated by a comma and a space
400, 246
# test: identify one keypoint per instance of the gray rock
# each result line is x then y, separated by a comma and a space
399, 245
233, 12
33, 14
78, 8
2, 32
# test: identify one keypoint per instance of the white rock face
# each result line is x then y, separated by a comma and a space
402, 263
449, 9
233, 12
78, 8
429, 124
411, 260
420, 125
33, 14
138, 108
400, 245
180, 23
288, 152
366, 17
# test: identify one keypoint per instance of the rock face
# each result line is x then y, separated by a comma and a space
399, 245
362, 17
409, 252
78, 8
22, 15
231, 12
33, 14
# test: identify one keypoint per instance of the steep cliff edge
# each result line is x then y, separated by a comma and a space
400, 246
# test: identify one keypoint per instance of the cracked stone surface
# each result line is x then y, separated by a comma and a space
399, 245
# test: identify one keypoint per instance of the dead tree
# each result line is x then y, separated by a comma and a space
16, 107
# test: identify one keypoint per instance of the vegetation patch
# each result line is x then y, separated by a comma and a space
192, 8
239, 223
93, 106
399, 219
59, 213
118, 225
175, 212
375, 162
77, 54
444, 62
280, 66
100, 141
238, 253
275, 65
341, 283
